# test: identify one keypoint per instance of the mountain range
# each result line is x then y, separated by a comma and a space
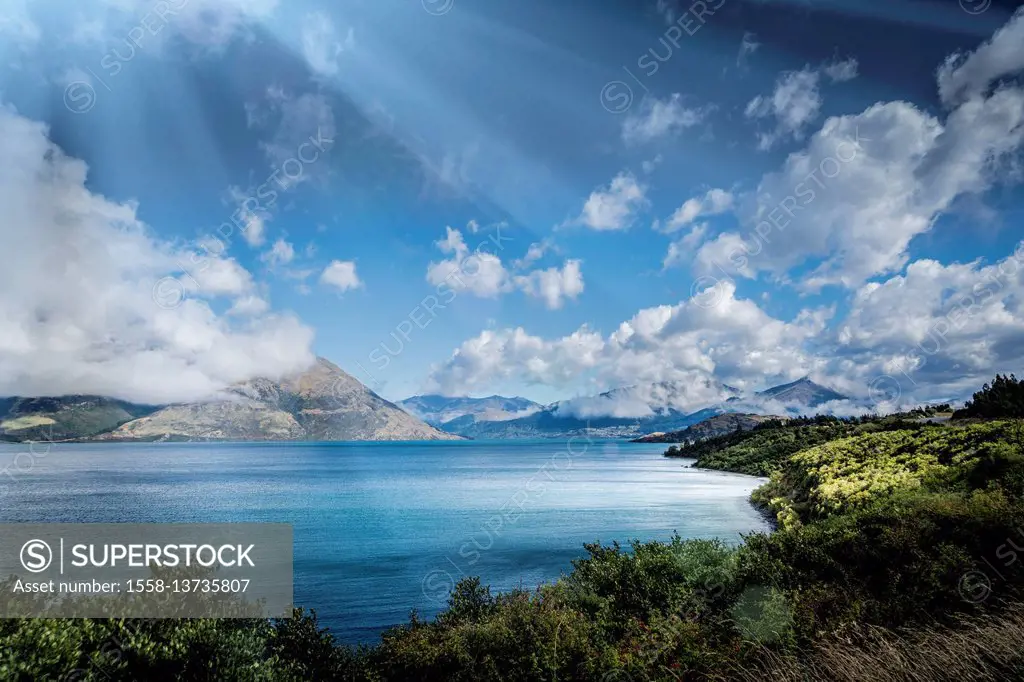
438, 410
321, 404
630, 411
324, 403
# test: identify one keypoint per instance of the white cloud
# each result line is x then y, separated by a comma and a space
248, 306
684, 247
321, 45
733, 340
841, 71
714, 202
867, 184
614, 207
533, 254
95, 303
793, 105
962, 77
281, 253
659, 118
480, 273
341, 275
554, 284
938, 330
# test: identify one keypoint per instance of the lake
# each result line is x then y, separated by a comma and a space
383, 528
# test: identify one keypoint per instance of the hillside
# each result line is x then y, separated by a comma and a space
322, 404
62, 418
718, 425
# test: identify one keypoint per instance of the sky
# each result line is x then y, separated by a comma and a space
538, 198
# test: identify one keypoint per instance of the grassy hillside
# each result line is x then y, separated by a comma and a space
761, 450
63, 418
896, 559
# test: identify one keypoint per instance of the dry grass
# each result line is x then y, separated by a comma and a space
976, 649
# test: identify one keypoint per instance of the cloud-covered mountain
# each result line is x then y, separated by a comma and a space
663, 406
438, 409
322, 403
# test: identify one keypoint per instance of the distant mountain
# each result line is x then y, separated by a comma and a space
802, 392
437, 410
647, 408
709, 428
323, 403
65, 417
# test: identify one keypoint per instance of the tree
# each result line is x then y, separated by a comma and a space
1004, 397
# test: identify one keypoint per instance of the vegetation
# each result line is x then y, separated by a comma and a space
761, 450
1004, 397
896, 558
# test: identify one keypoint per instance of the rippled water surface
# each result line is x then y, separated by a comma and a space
382, 528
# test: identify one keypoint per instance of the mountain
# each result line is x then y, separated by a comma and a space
633, 411
65, 417
802, 392
323, 403
437, 410
709, 428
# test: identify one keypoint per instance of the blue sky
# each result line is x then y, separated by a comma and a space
608, 158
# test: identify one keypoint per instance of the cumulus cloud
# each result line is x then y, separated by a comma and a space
714, 202
482, 273
613, 207
938, 329
733, 339
841, 71
793, 105
867, 184
281, 253
553, 285
683, 248
97, 305
965, 76
796, 101
658, 118
341, 274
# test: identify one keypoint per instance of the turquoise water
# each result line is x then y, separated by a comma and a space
383, 528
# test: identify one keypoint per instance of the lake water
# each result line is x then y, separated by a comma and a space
382, 528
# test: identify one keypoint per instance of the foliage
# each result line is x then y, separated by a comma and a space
1004, 397
761, 450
